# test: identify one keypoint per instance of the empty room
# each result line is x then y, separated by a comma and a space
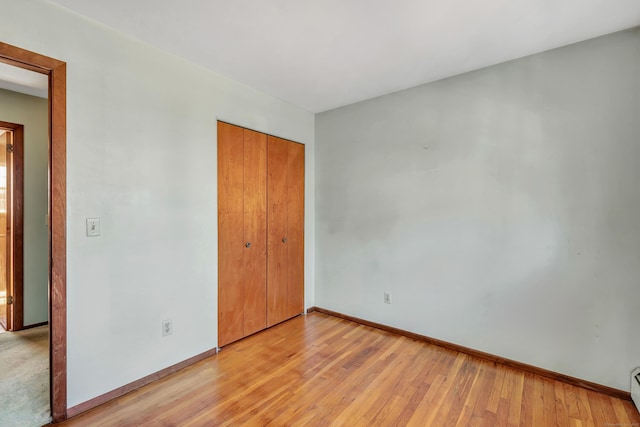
331, 213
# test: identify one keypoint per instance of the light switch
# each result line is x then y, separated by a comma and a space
93, 227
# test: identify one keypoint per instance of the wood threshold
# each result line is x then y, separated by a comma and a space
127, 388
599, 388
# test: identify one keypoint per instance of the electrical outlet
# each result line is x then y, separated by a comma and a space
387, 297
167, 327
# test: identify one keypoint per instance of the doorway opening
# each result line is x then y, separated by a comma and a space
24, 354
55, 70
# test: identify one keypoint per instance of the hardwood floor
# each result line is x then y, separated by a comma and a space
320, 370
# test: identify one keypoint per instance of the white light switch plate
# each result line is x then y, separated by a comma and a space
93, 227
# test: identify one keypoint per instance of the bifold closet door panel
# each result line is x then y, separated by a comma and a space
285, 230
230, 233
295, 229
277, 280
255, 229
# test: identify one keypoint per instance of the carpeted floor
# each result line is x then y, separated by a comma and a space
24, 378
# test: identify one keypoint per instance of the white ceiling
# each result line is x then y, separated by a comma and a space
327, 53
23, 81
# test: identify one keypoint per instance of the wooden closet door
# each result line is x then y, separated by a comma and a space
255, 232
285, 230
230, 233
242, 223
295, 229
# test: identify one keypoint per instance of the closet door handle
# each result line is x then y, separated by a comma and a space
284, 240
248, 244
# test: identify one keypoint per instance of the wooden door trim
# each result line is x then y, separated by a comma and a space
57, 72
255, 130
17, 231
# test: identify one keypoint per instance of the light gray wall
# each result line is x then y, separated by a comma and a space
32, 112
141, 155
500, 207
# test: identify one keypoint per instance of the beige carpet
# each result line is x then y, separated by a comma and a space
24, 378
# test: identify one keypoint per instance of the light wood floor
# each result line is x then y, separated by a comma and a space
319, 370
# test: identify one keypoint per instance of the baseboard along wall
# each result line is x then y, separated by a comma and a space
104, 398
610, 391
35, 325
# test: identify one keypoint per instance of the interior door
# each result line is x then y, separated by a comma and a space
285, 242
231, 245
5, 232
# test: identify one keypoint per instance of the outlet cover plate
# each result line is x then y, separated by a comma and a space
167, 327
387, 297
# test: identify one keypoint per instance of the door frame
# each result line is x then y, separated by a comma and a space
16, 214
56, 70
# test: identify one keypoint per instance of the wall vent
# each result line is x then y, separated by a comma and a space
635, 387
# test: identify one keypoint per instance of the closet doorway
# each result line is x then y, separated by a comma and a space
260, 231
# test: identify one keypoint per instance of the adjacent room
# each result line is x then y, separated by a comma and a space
24, 331
328, 213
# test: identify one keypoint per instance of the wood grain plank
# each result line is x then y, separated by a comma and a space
538, 403
483, 390
496, 391
586, 412
449, 414
515, 407
562, 410
620, 411
549, 402
502, 415
439, 395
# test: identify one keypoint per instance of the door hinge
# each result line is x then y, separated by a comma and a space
10, 148
10, 300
